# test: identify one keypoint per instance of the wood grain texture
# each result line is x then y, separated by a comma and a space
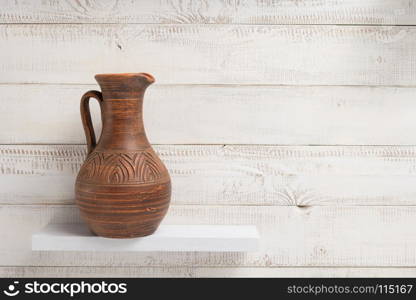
212, 11
205, 272
322, 211
231, 175
210, 54
295, 115
290, 236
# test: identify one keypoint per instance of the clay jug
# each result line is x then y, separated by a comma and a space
122, 189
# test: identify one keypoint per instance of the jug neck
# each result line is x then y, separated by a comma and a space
122, 112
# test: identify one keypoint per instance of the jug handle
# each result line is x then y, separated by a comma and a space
86, 117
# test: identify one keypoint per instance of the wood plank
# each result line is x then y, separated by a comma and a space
363, 236
282, 115
231, 175
210, 54
212, 11
198, 272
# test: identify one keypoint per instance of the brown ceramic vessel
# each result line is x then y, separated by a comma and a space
123, 189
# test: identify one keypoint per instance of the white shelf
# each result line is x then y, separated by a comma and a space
216, 238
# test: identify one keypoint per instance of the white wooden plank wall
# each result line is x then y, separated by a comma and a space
210, 53
295, 116
273, 115
207, 11
232, 175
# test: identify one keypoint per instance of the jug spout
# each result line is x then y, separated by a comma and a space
114, 84
150, 79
